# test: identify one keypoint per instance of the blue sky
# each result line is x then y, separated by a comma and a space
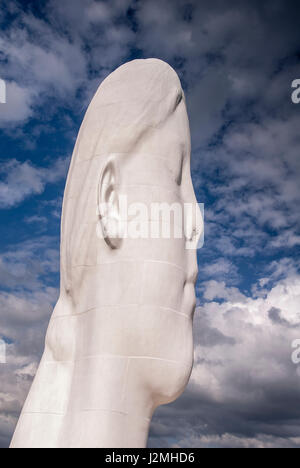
236, 61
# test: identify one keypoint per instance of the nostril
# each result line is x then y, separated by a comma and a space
178, 99
193, 235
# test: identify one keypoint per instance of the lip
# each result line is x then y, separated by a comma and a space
192, 274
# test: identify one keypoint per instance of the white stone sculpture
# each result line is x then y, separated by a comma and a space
119, 343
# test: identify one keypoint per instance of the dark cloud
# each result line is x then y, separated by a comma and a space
208, 336
275, 316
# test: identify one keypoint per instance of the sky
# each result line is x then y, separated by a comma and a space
236, 61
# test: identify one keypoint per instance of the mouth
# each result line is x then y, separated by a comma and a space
192, 278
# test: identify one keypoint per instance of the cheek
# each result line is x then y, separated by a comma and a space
162, 285
169, 286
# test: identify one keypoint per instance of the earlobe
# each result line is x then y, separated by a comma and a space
108, 206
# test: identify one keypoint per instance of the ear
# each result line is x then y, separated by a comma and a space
109, 206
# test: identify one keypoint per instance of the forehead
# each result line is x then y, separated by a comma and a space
139, 116
140, 107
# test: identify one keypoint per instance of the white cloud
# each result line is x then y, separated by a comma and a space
262, 353
23, 321
40, 220
18, 106
244, 389
287, 238
45, 61
22, 180
218, 290
219, 268
22, 265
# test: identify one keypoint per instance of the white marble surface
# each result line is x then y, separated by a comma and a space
119, 342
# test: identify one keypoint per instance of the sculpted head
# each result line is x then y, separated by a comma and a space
134, 142
124, 317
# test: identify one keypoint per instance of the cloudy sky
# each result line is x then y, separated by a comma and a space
236, 60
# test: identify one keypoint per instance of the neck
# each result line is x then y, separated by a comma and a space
108, 406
